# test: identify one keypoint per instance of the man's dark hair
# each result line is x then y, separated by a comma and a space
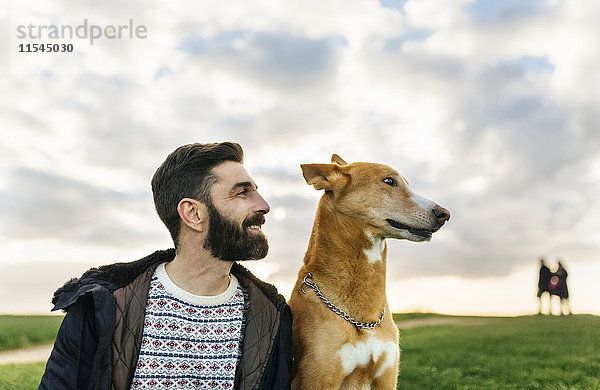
187, 173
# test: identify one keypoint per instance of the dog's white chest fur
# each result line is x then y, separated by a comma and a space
374, 254
361, 353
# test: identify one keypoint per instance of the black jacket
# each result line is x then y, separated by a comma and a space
88, 352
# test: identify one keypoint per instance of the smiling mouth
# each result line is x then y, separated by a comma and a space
254, 229
254, 223
417, 232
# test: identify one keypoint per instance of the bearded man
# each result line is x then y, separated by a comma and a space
188, 317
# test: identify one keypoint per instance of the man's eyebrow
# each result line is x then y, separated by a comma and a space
243, 184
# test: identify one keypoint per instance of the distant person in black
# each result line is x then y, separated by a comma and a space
561, 288
544, 284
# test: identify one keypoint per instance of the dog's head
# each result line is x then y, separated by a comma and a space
378, 196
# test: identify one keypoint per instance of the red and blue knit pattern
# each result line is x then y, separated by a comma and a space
186, 346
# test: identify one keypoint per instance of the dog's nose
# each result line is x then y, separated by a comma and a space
441, 214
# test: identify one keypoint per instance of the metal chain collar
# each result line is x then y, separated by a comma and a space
335, 309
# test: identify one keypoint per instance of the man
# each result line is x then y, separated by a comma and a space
543, 283
561, 288
189, 317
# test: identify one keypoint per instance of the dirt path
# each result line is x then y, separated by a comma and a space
38, 353
407, 324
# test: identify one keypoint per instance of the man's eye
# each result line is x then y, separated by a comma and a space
390, 181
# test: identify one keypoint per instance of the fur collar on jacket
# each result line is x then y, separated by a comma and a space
115, 276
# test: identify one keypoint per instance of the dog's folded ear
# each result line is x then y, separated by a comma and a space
326, 177
336, 159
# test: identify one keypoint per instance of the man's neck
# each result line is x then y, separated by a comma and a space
199, 273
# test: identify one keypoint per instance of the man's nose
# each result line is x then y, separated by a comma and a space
262, 206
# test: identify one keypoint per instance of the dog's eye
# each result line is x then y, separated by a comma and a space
390, 181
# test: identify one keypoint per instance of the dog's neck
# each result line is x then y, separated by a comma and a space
348, 263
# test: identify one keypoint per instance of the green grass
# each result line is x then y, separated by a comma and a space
20, 332
412, 316
23, 331
535, 352
21, 376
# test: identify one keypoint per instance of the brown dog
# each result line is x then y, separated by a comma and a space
343, 332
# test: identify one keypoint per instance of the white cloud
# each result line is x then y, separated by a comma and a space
488, 109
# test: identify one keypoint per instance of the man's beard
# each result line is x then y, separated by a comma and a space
230, 242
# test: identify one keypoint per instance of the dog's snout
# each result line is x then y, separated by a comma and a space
441, 214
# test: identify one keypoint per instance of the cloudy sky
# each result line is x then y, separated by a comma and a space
491, 108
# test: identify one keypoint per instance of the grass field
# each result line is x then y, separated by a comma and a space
23, 331
20, 332
21, 376
533, 352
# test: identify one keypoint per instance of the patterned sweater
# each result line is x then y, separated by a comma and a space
189, 341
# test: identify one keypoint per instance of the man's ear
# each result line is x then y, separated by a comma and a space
193, 213
326, 177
